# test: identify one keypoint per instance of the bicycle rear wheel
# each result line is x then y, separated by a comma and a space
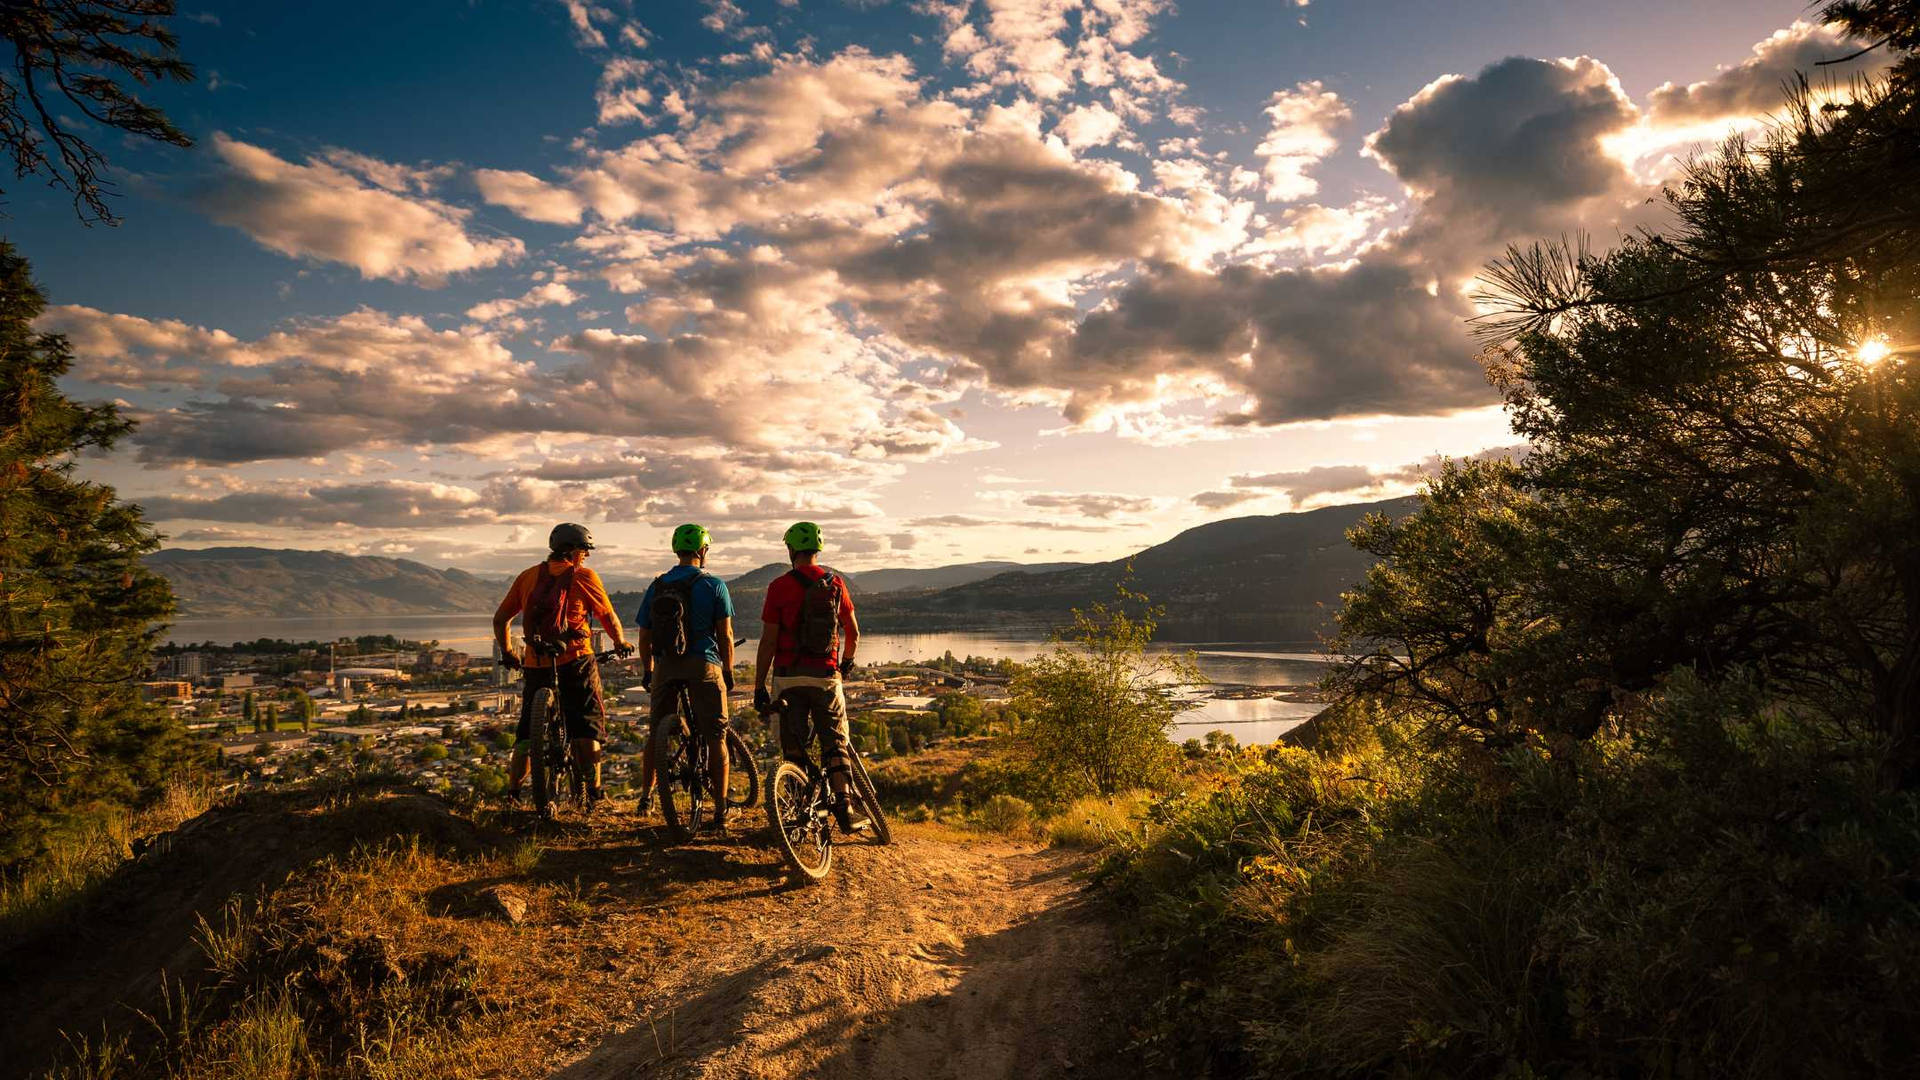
540, 716
805, 839
743, 773
870, 802
679, 781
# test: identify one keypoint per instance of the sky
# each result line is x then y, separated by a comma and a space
957, 279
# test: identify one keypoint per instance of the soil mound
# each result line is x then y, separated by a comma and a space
112, 952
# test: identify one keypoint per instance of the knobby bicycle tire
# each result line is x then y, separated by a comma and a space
740, 763
805, 842
678, 780
539, 717
870, 802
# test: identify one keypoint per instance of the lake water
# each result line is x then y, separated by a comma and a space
1250, 721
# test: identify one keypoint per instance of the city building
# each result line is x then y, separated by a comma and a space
166, 690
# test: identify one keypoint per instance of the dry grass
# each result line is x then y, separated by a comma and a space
382, 959
1095, 822
79, 859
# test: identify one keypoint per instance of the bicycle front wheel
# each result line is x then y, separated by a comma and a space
679, 782
803, 832
540, 717
869, 801
743, 777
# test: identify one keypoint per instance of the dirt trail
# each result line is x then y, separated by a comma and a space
948, 954
943, 955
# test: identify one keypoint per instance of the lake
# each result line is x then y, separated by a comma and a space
1249, 721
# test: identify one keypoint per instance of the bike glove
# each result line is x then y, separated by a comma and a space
846, 667
726, 676
762, 701
624, 649
646, 681
510, 661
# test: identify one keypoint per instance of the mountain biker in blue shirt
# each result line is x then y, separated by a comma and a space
705, 669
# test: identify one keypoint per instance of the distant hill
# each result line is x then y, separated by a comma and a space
246, 582
749, 590
1275, 577
946, 577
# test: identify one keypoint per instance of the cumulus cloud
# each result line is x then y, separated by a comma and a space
1325, 484
622, 95
529, 196
1221, 500
1300, 134
1757, 85
380, 505
1089, 503
1511, 149
545, 294
1089, 125
347, 209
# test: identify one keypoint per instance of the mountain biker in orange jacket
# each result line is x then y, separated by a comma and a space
807, 685
574, 676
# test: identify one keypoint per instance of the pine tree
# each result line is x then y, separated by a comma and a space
270, 718
250, 712
79, 614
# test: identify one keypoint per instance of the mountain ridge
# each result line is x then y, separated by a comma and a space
1267, 577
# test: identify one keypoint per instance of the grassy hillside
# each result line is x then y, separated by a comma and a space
1275, 576
245, 582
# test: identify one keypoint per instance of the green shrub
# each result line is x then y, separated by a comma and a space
1007, 814
1719, 891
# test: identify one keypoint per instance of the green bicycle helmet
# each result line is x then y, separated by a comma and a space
689, 538
803, 536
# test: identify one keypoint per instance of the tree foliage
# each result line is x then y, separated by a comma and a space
88, 56
1097, 709
78, 612
1722, 475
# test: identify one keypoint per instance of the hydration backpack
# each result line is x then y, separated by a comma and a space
817, 636
670, 615
545, 617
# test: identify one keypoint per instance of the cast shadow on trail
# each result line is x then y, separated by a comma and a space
1035, 999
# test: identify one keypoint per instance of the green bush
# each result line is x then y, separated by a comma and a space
1719, 892
1007, 814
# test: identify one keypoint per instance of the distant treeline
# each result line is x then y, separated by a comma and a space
364, 643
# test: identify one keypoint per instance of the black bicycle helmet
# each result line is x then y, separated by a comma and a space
566, 536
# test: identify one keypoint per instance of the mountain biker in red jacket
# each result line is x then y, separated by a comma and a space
806, 644
574, 676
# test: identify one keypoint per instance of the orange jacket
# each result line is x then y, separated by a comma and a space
587, 597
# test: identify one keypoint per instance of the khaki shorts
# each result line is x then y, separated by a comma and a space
811, 708
706, 690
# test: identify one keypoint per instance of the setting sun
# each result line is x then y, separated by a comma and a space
1874, 351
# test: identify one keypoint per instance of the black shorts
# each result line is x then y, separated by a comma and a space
577, 683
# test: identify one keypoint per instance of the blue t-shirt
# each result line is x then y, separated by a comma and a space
711, 603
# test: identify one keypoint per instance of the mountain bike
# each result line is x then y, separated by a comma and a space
683, 770
799, 807
552, 752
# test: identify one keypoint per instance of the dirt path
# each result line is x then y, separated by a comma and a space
943, 955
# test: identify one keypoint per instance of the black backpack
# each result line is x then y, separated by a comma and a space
670, 616
817, 636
